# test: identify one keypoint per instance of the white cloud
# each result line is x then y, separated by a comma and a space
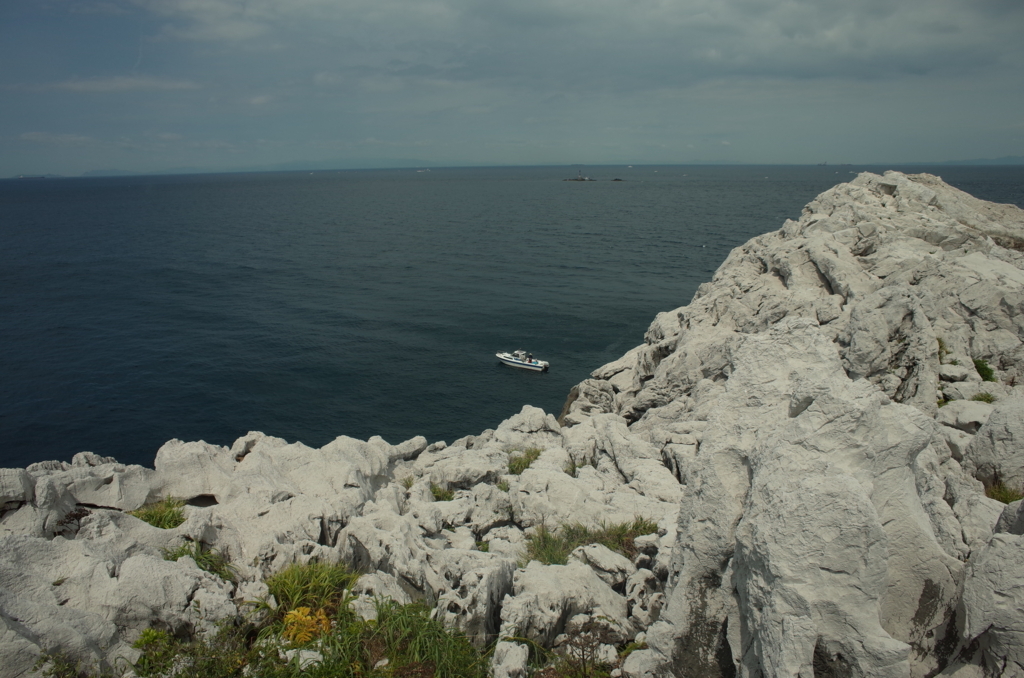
56, 139
122, 83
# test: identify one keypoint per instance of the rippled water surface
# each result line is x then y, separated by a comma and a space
134, 310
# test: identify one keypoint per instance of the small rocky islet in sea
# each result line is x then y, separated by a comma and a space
805, 467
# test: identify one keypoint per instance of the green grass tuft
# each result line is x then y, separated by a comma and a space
441, 494
518, 463
414, 644
211, 560
165, 514
984, 397
503, 485
553, 548
408, 481
316, 585
984, 371
1001, 492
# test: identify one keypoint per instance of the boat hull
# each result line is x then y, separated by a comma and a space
511, 361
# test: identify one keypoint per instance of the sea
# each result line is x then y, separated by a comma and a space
310, 305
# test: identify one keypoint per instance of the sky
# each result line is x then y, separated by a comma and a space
224, 85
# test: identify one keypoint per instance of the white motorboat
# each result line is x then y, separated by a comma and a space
524, 360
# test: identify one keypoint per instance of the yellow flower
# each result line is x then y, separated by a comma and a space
301, 625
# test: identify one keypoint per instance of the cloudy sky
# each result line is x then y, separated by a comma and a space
156, 85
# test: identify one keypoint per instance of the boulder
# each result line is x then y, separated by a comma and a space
967, 415
991, 622
545, 597
996, 454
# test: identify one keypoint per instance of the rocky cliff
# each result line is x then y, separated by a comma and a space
813, 436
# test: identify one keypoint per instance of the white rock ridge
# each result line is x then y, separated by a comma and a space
818, 512
826, 527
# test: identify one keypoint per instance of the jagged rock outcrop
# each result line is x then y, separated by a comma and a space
827, 524
813, 436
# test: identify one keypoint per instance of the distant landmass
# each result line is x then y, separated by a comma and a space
1005, 160
108, 173
394, 163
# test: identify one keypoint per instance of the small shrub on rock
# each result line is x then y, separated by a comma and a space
61, 665
441, 494
211, 560
580, 658
554, 549
158, 651
165, 514
1000, 492
571, 468
984, 397
518, 463
984, 371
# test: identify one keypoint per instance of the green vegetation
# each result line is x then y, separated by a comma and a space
984, 397
630, 648
165, 514
554, 549
503, 485
313, 613
942, 348
483, 546
984, 371
941, 403
441, 494
571, 468
208, 559
518, 463
580, 655
1001, 492
60, 665
408, 481
318, 586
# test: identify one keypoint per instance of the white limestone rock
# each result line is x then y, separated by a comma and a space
15, 486
1011, 519
546, 596
990, 611
510, 660
476, 585
949, 372
187, 470
968, 390
956, 440
967, 415
612, 568
643, 598
100, 481
91, 599
996, 454
374, 586
457, 467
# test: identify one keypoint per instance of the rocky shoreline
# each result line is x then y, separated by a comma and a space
813, 436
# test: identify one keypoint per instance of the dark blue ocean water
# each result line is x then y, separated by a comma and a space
134, 310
